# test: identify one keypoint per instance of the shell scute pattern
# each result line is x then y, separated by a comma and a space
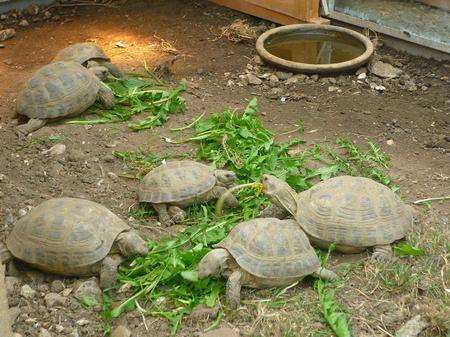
176, 181
271, 248
354, 211
81, 53
65, 235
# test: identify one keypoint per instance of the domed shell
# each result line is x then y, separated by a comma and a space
81, 53
65, 235
58, 89
176, 181
353, 211
271, 248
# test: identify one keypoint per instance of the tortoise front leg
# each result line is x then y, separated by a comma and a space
217, 191
33, 124
382, 253
176, 214
163, 215
325, 274
106, 95
274, 211
233, 291
108, 270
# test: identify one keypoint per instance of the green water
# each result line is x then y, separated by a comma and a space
315, 48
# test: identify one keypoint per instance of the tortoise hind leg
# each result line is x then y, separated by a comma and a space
108, 270
177, 215
233, 291
163, 215
33, 124
325, 274
382, 253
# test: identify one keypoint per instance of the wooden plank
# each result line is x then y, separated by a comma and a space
389, 31
444, 4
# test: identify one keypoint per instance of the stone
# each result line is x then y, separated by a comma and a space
273, 80
410, 85
109, 158
390, 142
6, 34
54, 300
9, 218
55, 150
23, 23
113, 176
413, 327
57, 286
11, 283
253, 79
257, 60
291, 81
333, 88
283, 76
362, 70
22, 212
201, 312
221, 332
2, 177
75, 155
82, 322
384, 70
27, 292
362, 76
89, 291
314, 78
121, 331
44, 333
275, 93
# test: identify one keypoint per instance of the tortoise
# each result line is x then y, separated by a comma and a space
180, 183
74, 237
91, 56
353, 213
58, 90
262, 253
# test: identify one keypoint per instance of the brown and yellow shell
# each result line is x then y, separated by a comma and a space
58, 89
176, 181
270, 248
81, 53
65, 235
353, 211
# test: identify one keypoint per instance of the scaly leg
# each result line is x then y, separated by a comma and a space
33, 124
176, 214
233, 291
382, 253
325, 274
108, 270
163, 215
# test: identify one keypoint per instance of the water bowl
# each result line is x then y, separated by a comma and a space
310, 48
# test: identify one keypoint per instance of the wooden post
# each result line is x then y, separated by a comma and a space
5, 319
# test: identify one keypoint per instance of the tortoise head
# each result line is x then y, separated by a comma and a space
213, 263
225, 178
130, 243
280, 193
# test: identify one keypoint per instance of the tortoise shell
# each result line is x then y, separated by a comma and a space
81, 53
353, 211
58, 89
65, 235
270, 248
176, 181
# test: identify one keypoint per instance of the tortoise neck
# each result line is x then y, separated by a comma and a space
288, 199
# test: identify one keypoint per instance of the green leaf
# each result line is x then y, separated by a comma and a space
190, 275
403, 249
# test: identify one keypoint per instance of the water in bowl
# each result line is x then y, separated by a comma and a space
311, 48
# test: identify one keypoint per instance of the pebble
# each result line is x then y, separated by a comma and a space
59, 328
273, 80
109, 158
11, 282
23, 23
89, 290
384, 70
57, 286
113, 176
82, 322
257, 60
44, 333
333, 88
274, 93
121, 331
253, 79
2, 177
75, 155
362, 70
362, 76
27, 292
22, 212
112, 144
314, 78
55, 150
283, 76
410, 85
6, 34
291, 81
54, 299
9, 218
390, 142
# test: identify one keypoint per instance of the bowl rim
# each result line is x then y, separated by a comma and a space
309, 67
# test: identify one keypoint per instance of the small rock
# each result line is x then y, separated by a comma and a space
27, 292
75, 155
377, 87
57, 286
390, 142
54, 299
3, 17
314, 78
257, 60
112, 144
413, 327
59, 328
384, 70
273, 80
121, 331
253, 79
82, 322
275, 93
109, 158
89, 291
47, 14
333, 88
113, 176
75, 333
410, 85
22, 212
6, 34
44, 333
11, 283
362, 70
362, 76
221, 332
14, 312
23, 23
9, 219
55, 150
201, 312
2, 177
2, 45
283, 76
291, 81
120, 44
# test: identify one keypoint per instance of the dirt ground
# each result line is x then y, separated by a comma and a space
415, 121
